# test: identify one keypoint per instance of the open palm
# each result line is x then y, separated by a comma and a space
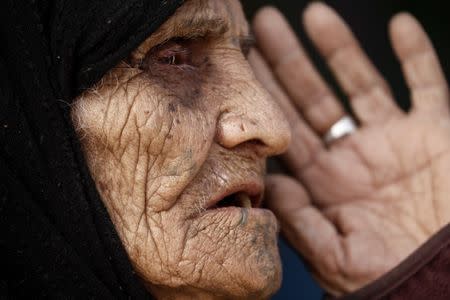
359, 206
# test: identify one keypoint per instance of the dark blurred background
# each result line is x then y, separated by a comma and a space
369, 20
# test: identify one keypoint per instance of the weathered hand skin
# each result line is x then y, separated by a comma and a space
177, 124
357, 207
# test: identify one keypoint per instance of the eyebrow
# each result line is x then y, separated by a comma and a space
201, 26
183, 26
194, 21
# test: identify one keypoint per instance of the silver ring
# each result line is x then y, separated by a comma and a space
345, 126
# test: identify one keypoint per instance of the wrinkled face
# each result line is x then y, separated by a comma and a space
176, 140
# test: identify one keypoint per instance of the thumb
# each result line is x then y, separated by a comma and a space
304, 225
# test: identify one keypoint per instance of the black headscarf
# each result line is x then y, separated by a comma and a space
56, 238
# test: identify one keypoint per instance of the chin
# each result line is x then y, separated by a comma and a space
237, 260
254, 269
261, 281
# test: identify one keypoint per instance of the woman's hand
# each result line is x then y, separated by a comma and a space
358, 207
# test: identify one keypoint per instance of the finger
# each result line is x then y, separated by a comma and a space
305, 144
294, 70
368, 92
304, 226
420, 64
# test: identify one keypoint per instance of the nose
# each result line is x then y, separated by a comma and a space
252, 116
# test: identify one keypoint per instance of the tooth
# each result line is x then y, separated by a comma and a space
244, 200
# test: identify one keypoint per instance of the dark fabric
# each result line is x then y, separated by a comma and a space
423, 275
56, 239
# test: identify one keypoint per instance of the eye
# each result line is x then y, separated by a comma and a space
172, 53
171, 60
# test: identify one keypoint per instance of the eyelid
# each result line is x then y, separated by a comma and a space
167, 44
176, 50
137, 57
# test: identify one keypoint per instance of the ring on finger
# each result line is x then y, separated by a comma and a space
343, 127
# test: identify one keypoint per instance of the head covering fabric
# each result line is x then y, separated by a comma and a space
56, 238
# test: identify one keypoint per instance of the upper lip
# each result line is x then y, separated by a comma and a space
253, 188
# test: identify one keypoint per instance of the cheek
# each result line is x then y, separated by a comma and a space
140, 137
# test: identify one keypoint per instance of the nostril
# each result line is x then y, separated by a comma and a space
234, 130
256, 142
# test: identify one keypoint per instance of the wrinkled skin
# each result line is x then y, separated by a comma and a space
358, 207
169, 129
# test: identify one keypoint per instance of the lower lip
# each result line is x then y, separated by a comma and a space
239, 211
233, 208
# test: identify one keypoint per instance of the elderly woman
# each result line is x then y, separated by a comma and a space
134, 138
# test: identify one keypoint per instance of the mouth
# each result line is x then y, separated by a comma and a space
247, 196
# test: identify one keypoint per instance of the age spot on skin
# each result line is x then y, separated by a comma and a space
172, 108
